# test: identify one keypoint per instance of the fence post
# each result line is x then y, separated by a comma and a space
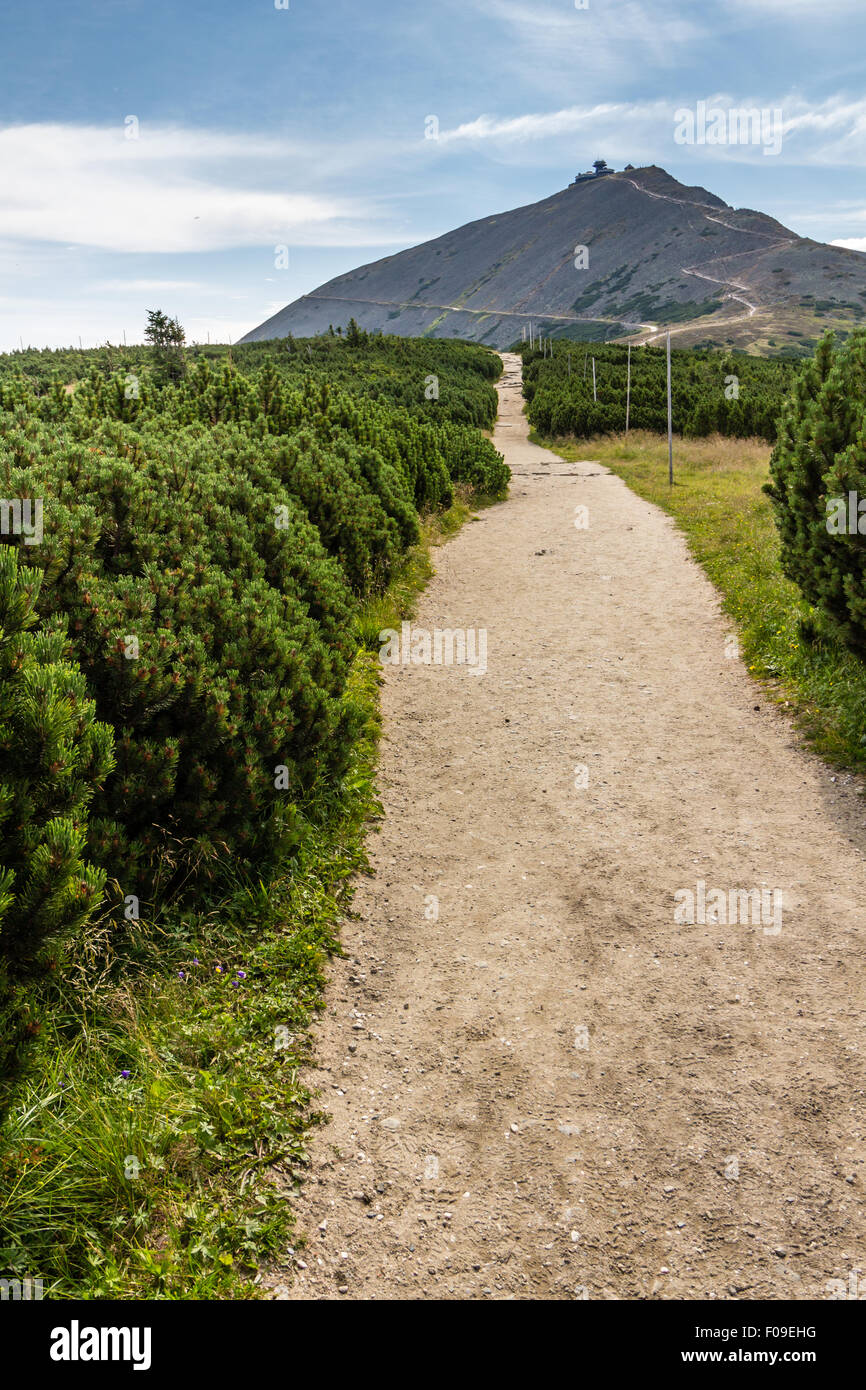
628, 389
670, 422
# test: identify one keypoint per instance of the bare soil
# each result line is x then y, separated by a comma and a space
553, 1089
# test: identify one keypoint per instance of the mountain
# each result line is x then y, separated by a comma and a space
658, 255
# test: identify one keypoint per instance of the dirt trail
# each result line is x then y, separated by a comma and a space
553, 1090
775, 242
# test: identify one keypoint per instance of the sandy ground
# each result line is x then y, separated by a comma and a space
553, 1089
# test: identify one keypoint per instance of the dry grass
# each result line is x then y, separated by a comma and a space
715, 452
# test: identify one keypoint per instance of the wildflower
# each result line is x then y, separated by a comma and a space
126, 1075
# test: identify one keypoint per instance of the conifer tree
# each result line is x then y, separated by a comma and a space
821, 456
167, 339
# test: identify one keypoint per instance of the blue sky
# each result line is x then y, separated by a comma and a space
257, 127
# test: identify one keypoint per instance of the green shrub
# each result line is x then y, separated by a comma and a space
53, 757
473, 460
208, 541
732, 393
211, 548
214, 633
821, 455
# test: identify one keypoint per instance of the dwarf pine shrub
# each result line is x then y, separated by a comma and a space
817, 467
54, 757
730, 393
207, 543
212, 628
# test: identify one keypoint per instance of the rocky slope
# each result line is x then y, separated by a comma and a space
658, 254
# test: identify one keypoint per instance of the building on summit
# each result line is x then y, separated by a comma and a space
598, 170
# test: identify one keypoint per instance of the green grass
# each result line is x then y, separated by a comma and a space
717, 502
137, 1154
161, 1093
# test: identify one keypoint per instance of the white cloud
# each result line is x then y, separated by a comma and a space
170, 190
854, 243
829, 132
538, 126
588, 41
803, 7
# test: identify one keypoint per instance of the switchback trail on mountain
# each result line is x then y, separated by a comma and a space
541, 1084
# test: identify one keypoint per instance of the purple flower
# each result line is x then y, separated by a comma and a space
126, 1075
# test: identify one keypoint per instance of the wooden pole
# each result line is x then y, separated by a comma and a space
594, 392
628, 389
670, 422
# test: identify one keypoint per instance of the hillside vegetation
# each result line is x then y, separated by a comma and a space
186, 740
712, 392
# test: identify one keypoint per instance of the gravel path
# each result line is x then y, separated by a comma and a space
553, 1089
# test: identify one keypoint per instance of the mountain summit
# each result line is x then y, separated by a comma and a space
616, 254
